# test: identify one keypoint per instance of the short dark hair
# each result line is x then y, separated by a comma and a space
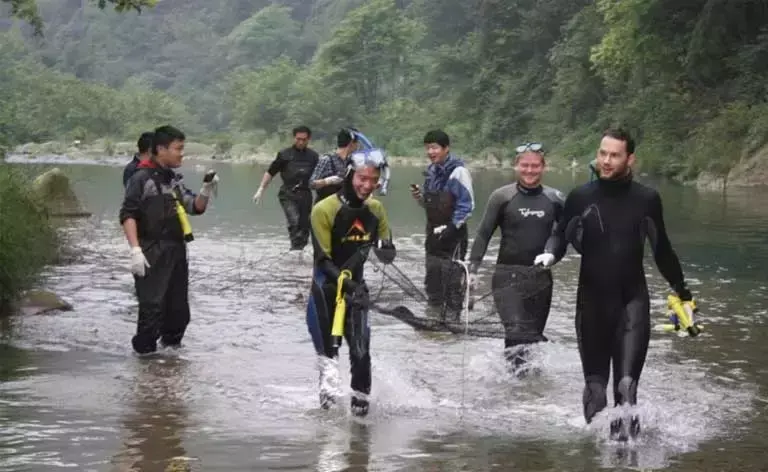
302, 129
165, 135
622, 135
437, 136
145, 141
345, 137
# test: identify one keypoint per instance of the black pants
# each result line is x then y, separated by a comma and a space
357, 334
297, 206
523, 296
444, 280
613, 327
162, 294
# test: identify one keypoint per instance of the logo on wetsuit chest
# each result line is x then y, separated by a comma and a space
526, 212
356, 233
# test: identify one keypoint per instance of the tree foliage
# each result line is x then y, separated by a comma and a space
678, 73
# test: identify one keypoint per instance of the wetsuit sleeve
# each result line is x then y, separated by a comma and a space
487, 227
322, 217
134, 194
386, 253
558, 201
188, 199
558, 240
277, 165
665, 257
460, 186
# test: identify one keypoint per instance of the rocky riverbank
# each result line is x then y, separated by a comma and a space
107, 152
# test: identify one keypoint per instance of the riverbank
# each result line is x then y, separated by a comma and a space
116, 153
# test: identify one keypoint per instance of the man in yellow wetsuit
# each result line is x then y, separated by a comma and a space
345, 226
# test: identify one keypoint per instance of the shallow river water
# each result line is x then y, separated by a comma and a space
241, 394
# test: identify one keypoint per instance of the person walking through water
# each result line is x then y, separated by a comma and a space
295, 165
345, 226
448, 200
607, 221
154, 218
526, 211
328, 175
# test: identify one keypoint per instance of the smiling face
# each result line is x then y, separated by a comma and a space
530, 167
172, 155
365, 180
613, 160
436, 153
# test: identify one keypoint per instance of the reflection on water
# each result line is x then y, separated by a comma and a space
157, 416
241, 395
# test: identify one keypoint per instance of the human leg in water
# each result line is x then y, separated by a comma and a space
357, 334
633, 335
522, 296
152, 291
320, 309
177, 314
298, 230
595, 334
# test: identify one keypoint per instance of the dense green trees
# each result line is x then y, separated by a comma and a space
688, 77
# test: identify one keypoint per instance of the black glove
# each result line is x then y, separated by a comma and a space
683, 292
356, 293
385, 251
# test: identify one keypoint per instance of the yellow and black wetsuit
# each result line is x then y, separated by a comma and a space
344, 229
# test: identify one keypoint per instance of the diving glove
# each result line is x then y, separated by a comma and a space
385, 251
210, 184
139, 263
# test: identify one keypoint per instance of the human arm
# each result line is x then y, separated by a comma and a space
321, 230
385, 248
130, 214
323, 175
277, 165
486, 229
460, 186
557, 243
665, 257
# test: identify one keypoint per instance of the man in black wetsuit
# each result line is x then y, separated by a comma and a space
526, 212
144, 146
607, 222
295, 165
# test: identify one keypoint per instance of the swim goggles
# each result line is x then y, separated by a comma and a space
535, 147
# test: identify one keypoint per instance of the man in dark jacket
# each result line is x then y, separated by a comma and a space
448, 199
145, 147
153, 216
295, 165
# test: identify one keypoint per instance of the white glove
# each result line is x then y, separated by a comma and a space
257, 196
139, 263
333, 180
439, 229
546, 259
210, 184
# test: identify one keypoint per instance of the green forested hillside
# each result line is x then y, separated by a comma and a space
688, 77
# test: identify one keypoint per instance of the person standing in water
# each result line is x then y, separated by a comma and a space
345, 226
448, 200
328, 175
607, 221
144, 146
526, 211
295, 165
154, 218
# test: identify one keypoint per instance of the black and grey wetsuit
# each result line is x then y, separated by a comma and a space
522, 293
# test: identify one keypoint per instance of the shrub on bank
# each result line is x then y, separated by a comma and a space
27, 237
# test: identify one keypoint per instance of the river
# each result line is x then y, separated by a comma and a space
241, 394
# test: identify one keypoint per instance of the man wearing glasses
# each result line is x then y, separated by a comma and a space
526, 211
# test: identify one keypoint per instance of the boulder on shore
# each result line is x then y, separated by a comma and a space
55, 192
37, 302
